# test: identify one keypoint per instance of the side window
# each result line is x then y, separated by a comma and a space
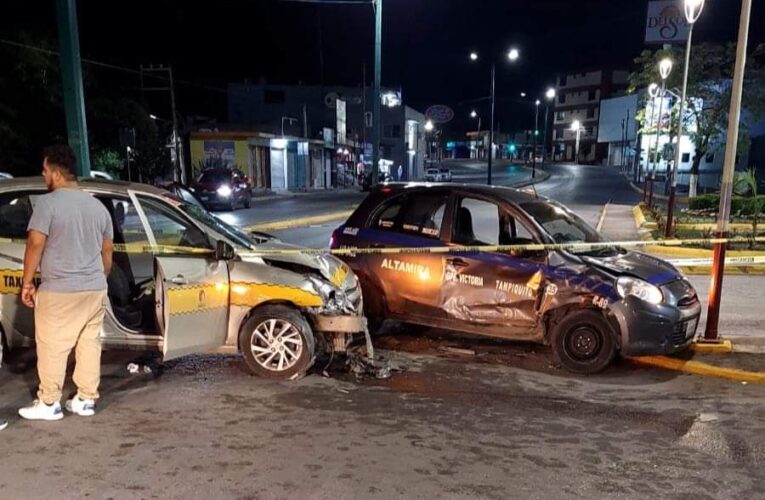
514, 231
15, 212
424, 214
477, 222
386, 217
172, 229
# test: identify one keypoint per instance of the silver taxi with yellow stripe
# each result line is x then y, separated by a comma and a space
184, 281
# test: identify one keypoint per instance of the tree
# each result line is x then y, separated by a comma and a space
745, 184
709, 90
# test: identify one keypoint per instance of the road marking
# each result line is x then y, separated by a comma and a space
299, 222
698, 368
602, 216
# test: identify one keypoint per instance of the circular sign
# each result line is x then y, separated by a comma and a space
439, 113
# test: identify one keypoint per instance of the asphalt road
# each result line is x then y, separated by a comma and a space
490, 420
483, 427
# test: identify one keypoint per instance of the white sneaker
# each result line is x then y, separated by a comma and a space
3, 424
82, 407
41, 411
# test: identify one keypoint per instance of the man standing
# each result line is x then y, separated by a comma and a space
70, 238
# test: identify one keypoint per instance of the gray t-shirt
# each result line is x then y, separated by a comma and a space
76, 225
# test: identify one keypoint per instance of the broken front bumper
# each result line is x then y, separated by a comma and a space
341, 331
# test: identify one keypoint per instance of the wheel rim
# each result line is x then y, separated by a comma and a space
276, 345
583, 343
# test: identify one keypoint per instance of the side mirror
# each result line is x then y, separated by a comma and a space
224, 251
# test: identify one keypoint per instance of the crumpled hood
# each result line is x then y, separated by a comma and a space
638, 264
330, 267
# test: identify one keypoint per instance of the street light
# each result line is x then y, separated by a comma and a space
523, 94
474, 114
693, 10
429, 126
549, 96
513, 55
665, 68
534, 140
576, 126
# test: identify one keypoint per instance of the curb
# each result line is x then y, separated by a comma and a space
657, 196
299, 222
699, 368
723, 346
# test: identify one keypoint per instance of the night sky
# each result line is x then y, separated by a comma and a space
425, 44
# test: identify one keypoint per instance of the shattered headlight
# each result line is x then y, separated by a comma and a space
333, 297
643, 290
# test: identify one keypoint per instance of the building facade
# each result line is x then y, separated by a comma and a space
578, 97
311, 112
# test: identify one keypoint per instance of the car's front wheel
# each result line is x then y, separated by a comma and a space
277, 342
584, 342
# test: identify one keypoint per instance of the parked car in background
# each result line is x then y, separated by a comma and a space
183, 281
588, 303
223, 188
100, 174
382, 177
438, 174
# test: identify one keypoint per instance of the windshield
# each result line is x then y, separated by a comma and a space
210, 221
215, 177
563, 225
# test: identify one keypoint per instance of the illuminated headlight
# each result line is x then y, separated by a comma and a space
643, 290
224, 191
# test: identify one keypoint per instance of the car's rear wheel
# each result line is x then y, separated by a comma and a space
277, 342
583, 342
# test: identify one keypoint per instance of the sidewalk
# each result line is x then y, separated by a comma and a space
741, 317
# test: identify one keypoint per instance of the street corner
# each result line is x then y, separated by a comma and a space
721, 362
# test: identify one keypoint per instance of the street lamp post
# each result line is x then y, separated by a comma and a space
549, 96
693, 10
428, 131
665, 68
512, 55
534, 140
577, 127
653, 91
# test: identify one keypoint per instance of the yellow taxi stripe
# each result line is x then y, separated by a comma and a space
197, 298
247, 294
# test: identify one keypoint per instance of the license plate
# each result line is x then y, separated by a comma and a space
690, 330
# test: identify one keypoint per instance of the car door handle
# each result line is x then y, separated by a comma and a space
179, 280
457, 262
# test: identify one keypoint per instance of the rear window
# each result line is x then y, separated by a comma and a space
15, 212
388, 214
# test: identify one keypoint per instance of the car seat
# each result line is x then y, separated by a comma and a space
463, 229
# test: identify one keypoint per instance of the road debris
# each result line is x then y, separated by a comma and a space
456, 350
135, 368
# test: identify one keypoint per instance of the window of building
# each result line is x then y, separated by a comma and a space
392, 131
710, 158
562, 81
273, 97
561, 98
592, 95
560, 115
685, 158
591, 113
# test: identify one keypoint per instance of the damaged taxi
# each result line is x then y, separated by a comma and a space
589, 302
183, 281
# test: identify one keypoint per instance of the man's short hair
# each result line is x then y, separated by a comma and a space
63, 158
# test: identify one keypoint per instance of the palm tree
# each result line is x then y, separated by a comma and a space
745, 184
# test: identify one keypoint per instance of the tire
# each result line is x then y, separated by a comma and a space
583, 342
261, 358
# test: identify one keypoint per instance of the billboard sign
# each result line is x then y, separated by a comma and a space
220, 153
341, 121
665, 22
439, 113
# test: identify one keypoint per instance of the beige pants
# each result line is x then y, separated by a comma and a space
66, 321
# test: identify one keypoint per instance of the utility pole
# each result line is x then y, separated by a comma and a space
491, 128
376, 105
723, 216
71, 75
536, 131
179, 170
